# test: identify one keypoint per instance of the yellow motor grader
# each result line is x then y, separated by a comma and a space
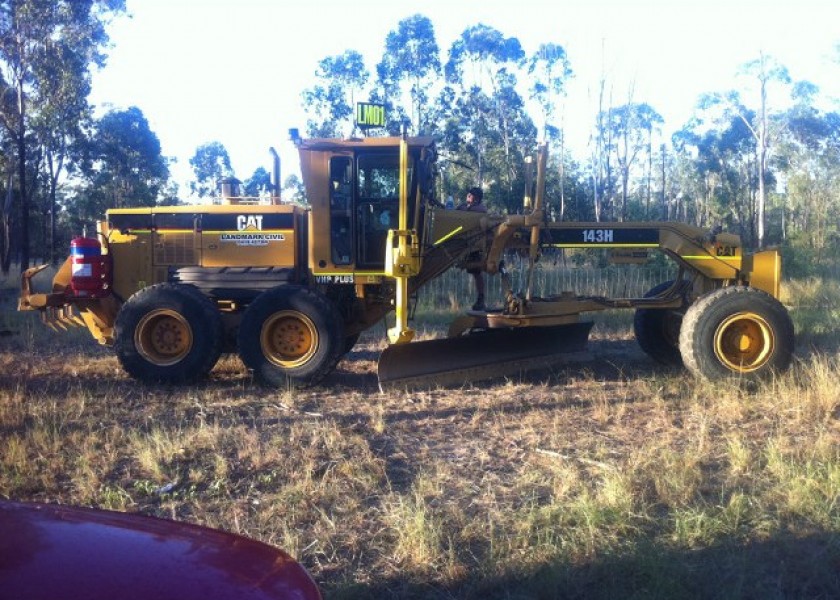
290, 289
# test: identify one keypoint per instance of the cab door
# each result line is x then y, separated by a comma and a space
377, 205
341, 211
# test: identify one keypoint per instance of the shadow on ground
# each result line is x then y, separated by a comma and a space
781, 567
607, 360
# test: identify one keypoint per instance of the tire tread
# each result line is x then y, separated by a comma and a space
700, 359
203, 317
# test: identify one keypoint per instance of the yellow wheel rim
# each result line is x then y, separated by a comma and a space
163, 337
744, 342
288, 339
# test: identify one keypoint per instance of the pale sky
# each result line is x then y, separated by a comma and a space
233, 70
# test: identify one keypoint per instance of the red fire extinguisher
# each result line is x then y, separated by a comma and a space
90, 275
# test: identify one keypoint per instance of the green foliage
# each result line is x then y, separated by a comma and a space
488, 129
258, 183
485, 49
293, 190
47, 48
801, 258
332, 100
408, 67
631, 129
718, 150
125, 167
549, 70
707, 174
210, 164
740, 161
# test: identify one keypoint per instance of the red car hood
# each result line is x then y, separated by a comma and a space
50, 552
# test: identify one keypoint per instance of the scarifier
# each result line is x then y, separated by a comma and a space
290, 289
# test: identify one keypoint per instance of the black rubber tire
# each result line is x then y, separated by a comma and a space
736, 332
291, 336
168, 333
657, 330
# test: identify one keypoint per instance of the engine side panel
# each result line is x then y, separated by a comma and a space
154, 245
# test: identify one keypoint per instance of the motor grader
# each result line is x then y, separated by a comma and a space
290, 289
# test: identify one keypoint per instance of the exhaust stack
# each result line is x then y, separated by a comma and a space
275, 190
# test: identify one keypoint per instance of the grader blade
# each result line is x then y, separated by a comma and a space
480, 355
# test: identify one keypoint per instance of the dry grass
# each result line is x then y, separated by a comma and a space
613, 478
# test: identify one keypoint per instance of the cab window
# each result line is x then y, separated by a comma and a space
377, 207
341, 210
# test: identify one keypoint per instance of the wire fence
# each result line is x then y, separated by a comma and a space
455, 289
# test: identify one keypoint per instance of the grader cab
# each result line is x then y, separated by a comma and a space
290, 289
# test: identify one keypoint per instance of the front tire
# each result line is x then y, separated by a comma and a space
168, 333
291, 335
736, 331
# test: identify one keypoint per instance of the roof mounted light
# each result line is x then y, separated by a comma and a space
294, 135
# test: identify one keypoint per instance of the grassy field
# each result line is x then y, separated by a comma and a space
611, 478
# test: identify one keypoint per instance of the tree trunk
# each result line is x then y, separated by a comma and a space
596, 203
54, 168
24, 199
665, 212
649, 174
6, 223
24, 204
562, 175
625, 182
762, 167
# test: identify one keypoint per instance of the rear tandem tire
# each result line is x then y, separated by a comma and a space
291, 335
736, 331
168, 333
657, 330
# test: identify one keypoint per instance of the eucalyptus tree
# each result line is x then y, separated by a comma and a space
766, 70
409, 68
632, 128
761, 122
549, 69
294, 191
808, 158
489, 116
58, 128
721, 150
210, 163
258, 183
668, 166
41, 40
599, 167
330, 103
5, 220
125, 167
